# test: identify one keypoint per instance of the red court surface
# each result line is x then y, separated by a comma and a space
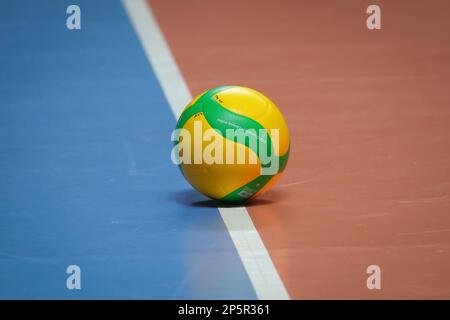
368, 180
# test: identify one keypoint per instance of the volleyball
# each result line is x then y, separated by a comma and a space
231, 143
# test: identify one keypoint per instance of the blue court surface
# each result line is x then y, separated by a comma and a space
85, 171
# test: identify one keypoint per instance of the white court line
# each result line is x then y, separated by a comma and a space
254, 255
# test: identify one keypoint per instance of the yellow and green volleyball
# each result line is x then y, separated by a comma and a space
211, 155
